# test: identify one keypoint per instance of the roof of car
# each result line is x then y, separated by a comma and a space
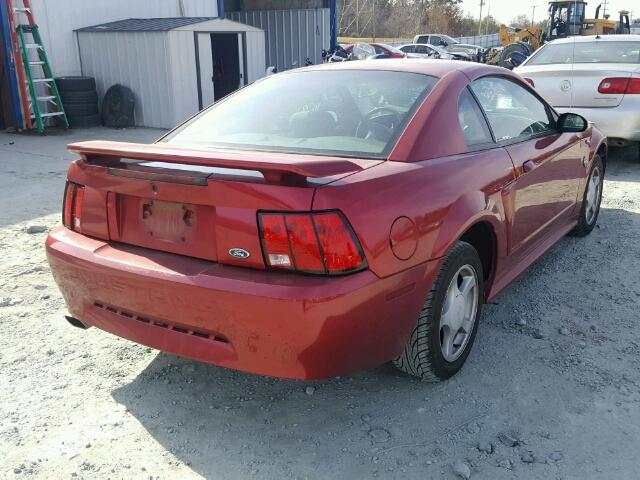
436, 68
598, 38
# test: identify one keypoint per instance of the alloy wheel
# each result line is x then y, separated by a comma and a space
459, 313
594, 190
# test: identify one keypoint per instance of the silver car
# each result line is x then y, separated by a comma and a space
421, 50
597, 77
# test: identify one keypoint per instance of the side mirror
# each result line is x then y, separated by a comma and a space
572, 122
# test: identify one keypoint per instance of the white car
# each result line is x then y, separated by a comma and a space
597, 77
420, 50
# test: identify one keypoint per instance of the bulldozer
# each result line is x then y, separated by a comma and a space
566, 19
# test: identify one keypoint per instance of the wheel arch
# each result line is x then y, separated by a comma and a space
482, 236
485, 231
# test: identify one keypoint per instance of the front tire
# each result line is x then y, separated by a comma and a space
591, 200
447, 325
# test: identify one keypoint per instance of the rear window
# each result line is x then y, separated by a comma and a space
587, 52
342, 113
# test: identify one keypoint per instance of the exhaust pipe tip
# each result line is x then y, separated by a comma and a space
75, 322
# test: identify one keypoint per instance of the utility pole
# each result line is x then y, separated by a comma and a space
533, 14
486, 23
480, 20
374, 18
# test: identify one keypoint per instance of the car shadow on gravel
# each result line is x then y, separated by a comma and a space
538, 367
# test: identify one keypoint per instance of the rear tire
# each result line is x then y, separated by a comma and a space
81, 121
90, 96
590, 208
75, 84
80, 109
505, 54
428, 355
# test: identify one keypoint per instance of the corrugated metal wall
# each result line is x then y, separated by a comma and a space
290, 35
138, 60
160, 67
59, 18
183, 85
256, 64
486, 41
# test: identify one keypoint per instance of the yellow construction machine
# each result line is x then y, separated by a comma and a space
566, 19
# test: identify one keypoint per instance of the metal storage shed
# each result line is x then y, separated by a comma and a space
175, 66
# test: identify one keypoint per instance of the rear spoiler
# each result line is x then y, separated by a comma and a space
273, 166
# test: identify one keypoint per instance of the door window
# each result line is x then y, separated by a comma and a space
474, 126
513, 112
422, 49
435, 40
408, 49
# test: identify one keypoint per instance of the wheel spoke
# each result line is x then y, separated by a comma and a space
468, 283
447, 308
447, 342
467, 325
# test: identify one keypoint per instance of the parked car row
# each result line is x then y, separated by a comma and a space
597, 77
377, 51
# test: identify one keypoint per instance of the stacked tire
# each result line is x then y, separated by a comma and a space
80, 101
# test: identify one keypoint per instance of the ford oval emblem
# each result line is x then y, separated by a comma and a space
239, 253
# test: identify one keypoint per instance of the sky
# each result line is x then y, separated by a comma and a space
506, 10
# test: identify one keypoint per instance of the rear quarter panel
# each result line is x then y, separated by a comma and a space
442, 197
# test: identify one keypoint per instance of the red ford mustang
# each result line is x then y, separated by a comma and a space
327, 219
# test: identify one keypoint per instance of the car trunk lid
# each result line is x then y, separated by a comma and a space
588, 77
576, 85
197, 202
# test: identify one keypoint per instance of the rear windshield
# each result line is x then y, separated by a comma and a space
343, 113
587, 52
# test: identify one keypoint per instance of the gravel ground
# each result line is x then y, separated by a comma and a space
551, 389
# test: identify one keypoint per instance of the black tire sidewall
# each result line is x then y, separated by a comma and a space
75, 84
80, 121
463, 254
82, 97
80, 109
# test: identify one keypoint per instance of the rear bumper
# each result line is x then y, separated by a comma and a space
266, 323
621, 122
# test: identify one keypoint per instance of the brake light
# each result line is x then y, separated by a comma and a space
72, 206
530, 82
318, 243
620, 85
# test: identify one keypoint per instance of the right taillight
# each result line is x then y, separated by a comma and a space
319, 243
72, 206
620, 85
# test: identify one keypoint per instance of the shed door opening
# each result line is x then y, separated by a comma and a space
227, 65
220, 65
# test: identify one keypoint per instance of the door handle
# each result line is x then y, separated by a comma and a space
528, 166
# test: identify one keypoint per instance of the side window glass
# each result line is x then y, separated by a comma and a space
422, 49
474, 126
408, 49
512, 110
435, 40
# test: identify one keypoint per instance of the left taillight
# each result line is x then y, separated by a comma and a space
72, 206
321, 243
